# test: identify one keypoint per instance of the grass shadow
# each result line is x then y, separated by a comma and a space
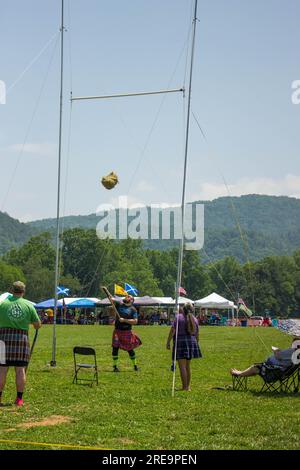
274, 394
91, 385
227, 388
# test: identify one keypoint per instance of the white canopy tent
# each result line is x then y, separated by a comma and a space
6, 295
164, 300
184, 300
169, 301
216, 301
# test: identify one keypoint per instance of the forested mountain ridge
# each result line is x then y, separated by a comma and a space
13, 233
251, 226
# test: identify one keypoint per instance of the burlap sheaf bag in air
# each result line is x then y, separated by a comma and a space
110, 181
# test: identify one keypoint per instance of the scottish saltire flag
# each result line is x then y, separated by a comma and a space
242, 307
181, 291
131, 289
61, 290
119, 290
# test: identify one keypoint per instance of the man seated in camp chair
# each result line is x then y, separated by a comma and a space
274, 366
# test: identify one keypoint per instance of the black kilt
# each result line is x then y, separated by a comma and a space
17, 348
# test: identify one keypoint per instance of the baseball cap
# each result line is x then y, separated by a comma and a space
18, 287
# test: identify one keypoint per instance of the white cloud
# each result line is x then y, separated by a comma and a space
27, 217
144, 186
119, 202
289, 185
44, 149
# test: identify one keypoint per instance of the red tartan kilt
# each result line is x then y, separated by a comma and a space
126, 340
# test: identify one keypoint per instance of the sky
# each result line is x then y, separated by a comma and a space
246, 59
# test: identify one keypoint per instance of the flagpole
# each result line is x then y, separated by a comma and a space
53, 361
180, 255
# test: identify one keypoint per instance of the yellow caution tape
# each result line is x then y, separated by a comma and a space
47, 444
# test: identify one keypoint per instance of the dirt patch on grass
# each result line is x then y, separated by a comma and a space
124, 440
50, 421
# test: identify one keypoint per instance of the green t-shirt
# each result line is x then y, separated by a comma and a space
16, 312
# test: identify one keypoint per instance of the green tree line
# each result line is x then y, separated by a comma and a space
271, 284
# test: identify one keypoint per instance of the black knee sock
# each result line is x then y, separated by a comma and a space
115, 354
132, 357
20, 395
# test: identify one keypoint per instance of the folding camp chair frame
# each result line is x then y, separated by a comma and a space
239, 384
85, 351
289, 381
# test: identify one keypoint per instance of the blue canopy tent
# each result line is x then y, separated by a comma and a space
48, 304
69, 303
82, 303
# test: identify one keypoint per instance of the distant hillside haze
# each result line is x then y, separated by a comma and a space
13, 233
251, 226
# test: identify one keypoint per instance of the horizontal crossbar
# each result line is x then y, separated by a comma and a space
124, 95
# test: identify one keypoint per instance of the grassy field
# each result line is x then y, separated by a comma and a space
135, 410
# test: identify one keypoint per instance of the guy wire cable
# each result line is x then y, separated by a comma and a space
143, 151
32, 62
147, 142
238, 224
181, 249
62, 227
236, 218
35, 109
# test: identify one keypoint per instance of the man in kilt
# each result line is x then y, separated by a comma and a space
16, 314
123, 336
